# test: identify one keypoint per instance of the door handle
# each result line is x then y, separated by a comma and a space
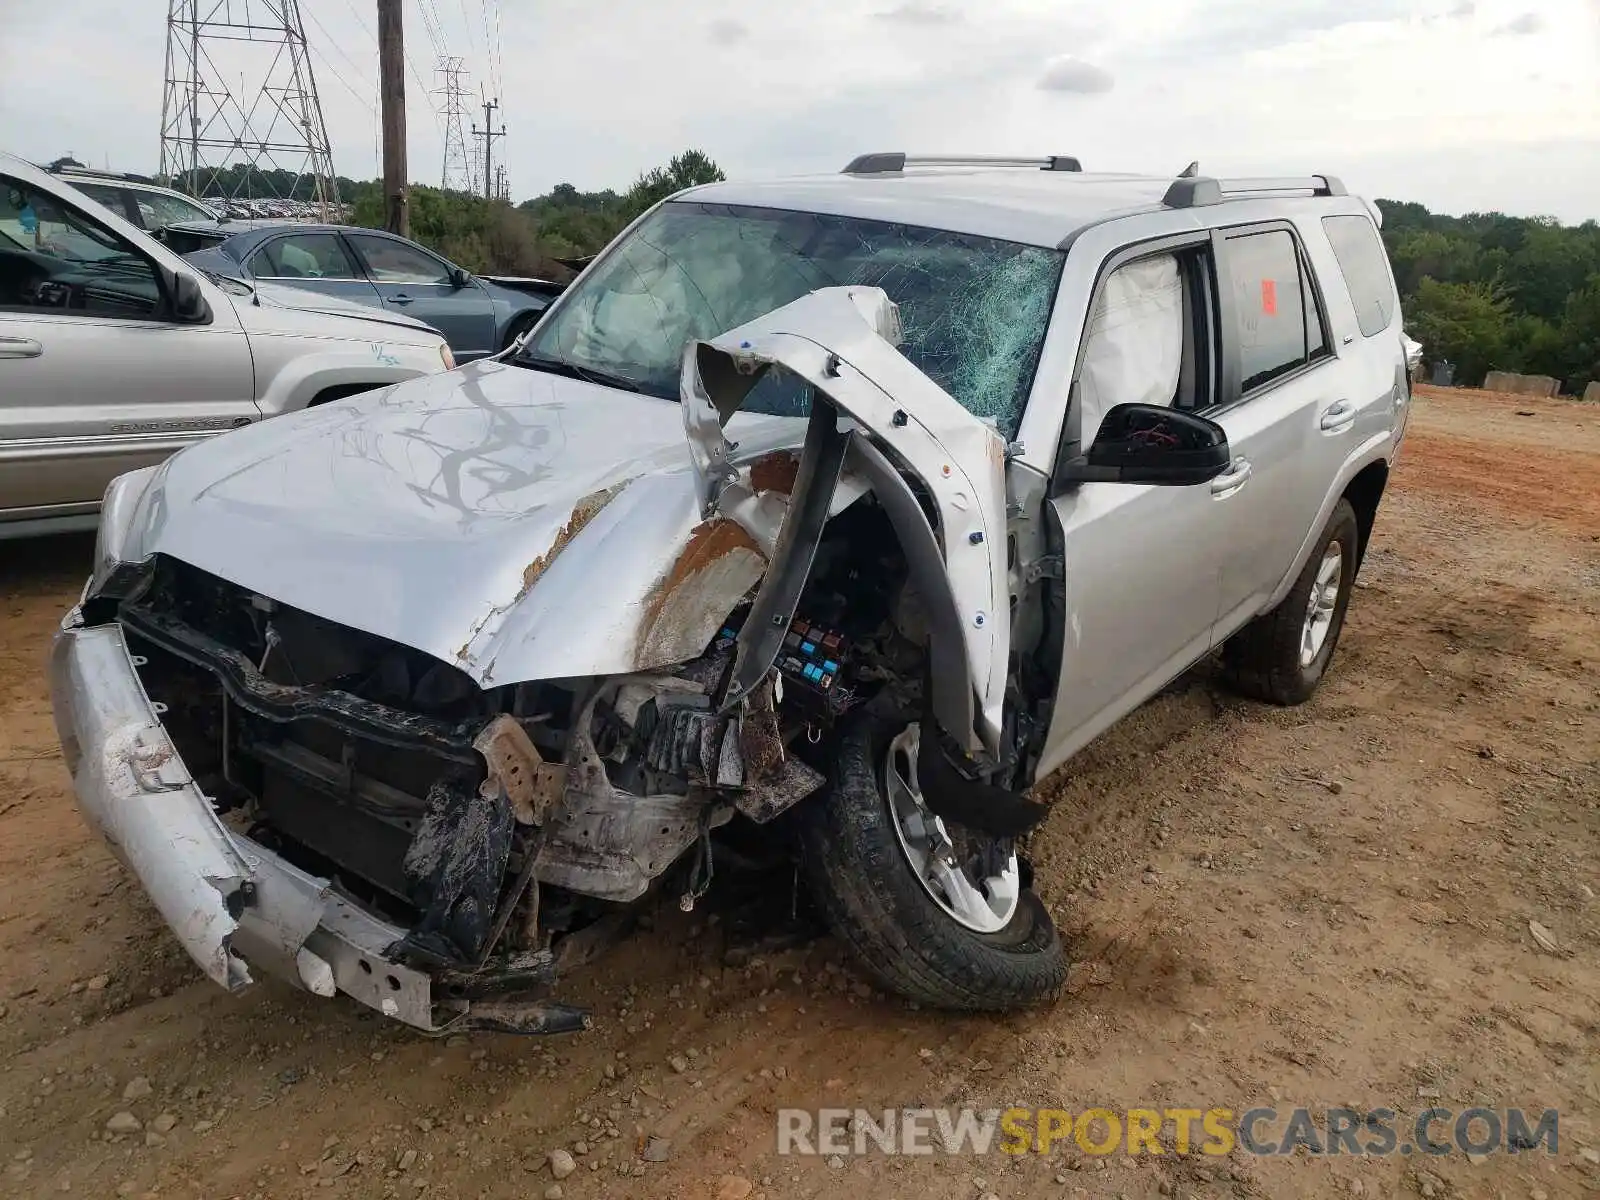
1231, 480
402, 298
1337, 417
15, 347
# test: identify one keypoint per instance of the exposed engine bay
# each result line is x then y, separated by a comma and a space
495, 823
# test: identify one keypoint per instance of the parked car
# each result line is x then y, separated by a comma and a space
868, 500
156, 209
480, 315
114, 353
149, 206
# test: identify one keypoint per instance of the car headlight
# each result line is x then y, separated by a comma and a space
448, 358
116, 543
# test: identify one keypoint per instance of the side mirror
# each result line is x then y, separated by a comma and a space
188, 301
1146, 443
459, 278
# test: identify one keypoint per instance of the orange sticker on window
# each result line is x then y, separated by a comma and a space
1269, 297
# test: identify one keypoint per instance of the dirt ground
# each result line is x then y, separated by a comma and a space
1321, 906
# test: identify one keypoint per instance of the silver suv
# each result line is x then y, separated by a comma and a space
149, 206
860, 501
114, 352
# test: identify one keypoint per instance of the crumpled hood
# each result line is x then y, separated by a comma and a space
425, 512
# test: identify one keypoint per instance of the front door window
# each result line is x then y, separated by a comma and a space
54, 257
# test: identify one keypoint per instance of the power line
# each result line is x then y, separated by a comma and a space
361, 21
367, 100
499, 62
431, 28
488, 50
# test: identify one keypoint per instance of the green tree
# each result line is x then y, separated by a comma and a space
1467, 323
1551, 264
689, 169
1580, 336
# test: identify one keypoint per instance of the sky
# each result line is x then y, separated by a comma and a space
1459, 104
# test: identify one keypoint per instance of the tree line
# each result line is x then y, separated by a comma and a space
542, 236
1484, 291
1490, 292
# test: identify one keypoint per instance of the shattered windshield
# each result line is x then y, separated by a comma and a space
973, 309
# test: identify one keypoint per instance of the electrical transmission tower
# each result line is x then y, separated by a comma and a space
264, 140
460, 173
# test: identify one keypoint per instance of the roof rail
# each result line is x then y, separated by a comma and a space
59, 169
896, 161
1201, 190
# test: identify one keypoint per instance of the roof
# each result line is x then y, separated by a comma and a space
1032, 206
112, 178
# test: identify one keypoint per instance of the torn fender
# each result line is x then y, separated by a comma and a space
842, 341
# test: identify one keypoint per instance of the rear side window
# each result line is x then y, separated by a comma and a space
304, 256
1365, 269
101, 194
1279, 327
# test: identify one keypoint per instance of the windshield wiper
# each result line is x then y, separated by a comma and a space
560, 366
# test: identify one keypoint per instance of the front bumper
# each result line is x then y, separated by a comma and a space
232, 903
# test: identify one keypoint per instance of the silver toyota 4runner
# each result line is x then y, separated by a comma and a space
847, 507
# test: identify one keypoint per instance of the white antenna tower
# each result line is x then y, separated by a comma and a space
272, 144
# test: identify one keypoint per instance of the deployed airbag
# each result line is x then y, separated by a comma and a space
1134, 346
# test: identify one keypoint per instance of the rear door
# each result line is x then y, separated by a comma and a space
96, 378
316, 261
418, 284
1292, 417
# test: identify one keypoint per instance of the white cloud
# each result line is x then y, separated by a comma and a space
1069, 74
728, 30
920, 14
1522, 26
1414, 99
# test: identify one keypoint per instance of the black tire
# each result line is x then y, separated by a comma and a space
1262, 660
852, 859
519, 327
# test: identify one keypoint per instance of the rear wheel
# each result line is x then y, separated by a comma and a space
941, 915
1281, 656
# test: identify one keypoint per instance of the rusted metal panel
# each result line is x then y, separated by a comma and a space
516, 768
718, 565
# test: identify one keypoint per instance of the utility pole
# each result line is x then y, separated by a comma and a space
488, 133
392, 99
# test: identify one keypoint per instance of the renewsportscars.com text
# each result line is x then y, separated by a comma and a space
1178, 1131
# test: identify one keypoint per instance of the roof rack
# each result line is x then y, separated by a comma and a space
1201, 190
897, 161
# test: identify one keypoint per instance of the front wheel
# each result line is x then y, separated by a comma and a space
519, 327
938, 914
